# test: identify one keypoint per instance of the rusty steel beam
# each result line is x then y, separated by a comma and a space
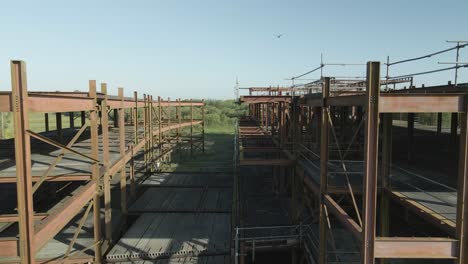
10, 247
398, 102
422, 103
57, 220
416, 248
423, 211
260, 149
370, 163
341, 215
256, 99
58, 178
23, 162
6, 218
266, 162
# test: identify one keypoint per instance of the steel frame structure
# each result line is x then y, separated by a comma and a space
283, 125
153, 116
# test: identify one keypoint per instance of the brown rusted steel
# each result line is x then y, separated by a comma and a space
93, 118
191, 127
136, 120
106, 163
122, 149
52, 166
323, 172
266, 162
203, 126
46, 121
51, 225
58, 145
370, 161
462, 193
58, 125
24, 186
416, 248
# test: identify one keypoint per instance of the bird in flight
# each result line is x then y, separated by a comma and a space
279, 36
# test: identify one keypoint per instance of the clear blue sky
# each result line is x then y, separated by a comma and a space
197, 48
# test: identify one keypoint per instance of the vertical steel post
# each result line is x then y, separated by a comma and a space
93, 116
160, 120
71, 116
46, 122
116, 117
453, 129
58, 125
191, 127
123, 176
83, 118
105, 160
370, 161
203, 126
462, 190
23, 162
323, 228
151, 135
439, 123
135, 95
179, 119
410, 136
386, 170
145, 130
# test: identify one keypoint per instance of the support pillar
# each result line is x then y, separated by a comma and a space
23, 162
123, 176
83, 118
462, 192
71, 116
46, 121
203, 126
105, 160
323, 227
93, 116
439, 123
386, 170
410, 136
191, 127
453, 129
58, 124
370, 163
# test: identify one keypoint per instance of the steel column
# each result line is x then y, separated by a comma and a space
71, 116
386, 170
23, 162
439, 123
462, 192
105, 160
122, 148
46, 122
324, 172
93, 116
371, 161
58, 125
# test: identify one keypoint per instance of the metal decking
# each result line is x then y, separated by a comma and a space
181, 218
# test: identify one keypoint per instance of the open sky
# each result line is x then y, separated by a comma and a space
197, 48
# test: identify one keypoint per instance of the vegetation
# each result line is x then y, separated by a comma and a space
221, 115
